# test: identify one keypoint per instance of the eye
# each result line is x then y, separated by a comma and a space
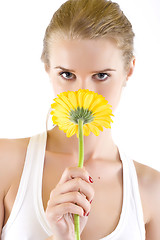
101, 76
69, 76
67, 73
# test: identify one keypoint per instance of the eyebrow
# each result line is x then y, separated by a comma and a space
70, 70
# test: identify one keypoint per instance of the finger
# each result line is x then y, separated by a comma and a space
74, 172
55, 213
76, 184
72, 197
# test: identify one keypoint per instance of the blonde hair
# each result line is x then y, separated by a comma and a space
90, 19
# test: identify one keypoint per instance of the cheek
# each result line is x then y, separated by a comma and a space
112, 93
55, 85
58, 85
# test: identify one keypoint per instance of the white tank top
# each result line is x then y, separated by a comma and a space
27, 220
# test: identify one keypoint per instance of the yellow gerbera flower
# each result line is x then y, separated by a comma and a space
83, 104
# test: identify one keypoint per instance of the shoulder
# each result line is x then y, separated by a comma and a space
149, 185
12, 156
147, 176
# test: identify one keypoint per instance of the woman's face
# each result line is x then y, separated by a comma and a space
96, 65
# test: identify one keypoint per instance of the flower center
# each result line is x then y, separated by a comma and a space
81, 113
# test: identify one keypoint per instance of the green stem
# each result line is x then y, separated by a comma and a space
81, 145
80, 164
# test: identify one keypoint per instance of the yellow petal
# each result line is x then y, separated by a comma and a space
57, 106
103, 123
80, 98
64, 122
66, 100
53, 105
96, 102
86, 130
88, 98
71, 130
77, 134
54, 119
63, 93
93, 129
61, 114
97, 125
64, 126
52, 112
103, 117
62, 103
106, 112
73, 99
100, 108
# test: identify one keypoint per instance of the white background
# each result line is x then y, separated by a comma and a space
25, 91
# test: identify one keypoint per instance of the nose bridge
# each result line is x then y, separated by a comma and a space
83, 82
86, 82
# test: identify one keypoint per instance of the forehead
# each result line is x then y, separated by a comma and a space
93, 54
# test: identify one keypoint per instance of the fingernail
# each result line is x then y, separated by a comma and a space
91, 201
84, 214
90, 179
87, 214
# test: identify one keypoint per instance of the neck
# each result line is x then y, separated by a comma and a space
96, 148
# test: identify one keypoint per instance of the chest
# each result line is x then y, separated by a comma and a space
106, 205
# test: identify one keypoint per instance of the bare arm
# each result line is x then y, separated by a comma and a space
2, 182
7, 169
153, 226
1, 211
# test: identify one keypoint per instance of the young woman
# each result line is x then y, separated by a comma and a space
87, 45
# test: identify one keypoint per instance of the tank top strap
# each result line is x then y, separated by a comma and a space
136, 194
39, 158
24, 182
